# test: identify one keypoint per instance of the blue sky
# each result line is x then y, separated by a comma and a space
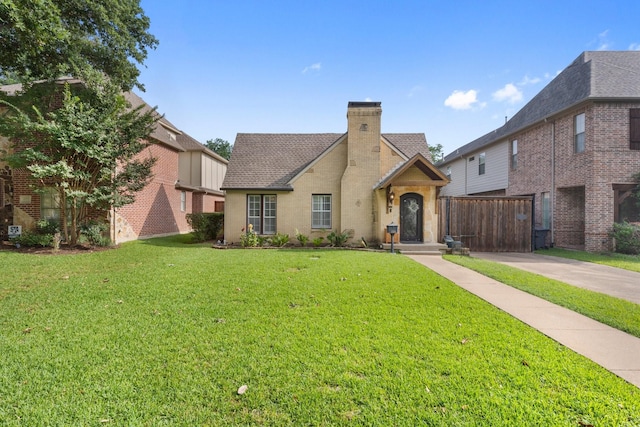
451, 70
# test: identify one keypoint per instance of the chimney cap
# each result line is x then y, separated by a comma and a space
362, 104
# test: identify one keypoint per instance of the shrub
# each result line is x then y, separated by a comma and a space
93, 233
249, 239
317, 241
627, 238
206, 226
303, 239
338, 239
47, 226
32, 239
279, 239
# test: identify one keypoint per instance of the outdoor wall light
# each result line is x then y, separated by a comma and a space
390, 196
392, 229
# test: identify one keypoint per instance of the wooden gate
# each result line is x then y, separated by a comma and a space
487, 224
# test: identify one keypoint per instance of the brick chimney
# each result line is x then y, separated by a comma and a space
363, 168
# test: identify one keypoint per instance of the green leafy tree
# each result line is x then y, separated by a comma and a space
220, 146
87, 39
436, 153
89, 149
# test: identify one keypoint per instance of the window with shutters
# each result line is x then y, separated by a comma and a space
634, 128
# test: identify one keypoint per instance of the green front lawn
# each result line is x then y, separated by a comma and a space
163, 333
627, 262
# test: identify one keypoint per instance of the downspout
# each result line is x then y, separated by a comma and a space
552, 202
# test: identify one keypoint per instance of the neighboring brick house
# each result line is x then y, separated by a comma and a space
575, 147
186, 178
360, 181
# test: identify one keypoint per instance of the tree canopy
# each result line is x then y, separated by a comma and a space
86, 39
88, 149
436, 153
220, 146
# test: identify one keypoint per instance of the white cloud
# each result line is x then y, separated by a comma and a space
634, 46
509, 93
312, 67
529, 81
603, 40
460, 100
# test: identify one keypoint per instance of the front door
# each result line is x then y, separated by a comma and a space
411, 218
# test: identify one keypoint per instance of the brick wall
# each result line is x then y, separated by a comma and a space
584, 198
156, 210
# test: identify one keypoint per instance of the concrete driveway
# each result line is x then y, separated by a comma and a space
612, 281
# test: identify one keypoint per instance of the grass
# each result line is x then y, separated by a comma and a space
615, 312
163, 333
627, 262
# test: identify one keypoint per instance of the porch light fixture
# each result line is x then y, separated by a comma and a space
390, 196
392, 229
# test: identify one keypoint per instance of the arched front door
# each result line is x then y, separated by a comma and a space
411, 218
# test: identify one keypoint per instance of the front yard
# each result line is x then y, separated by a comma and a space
160, 332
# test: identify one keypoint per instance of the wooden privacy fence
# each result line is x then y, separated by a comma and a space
487, 224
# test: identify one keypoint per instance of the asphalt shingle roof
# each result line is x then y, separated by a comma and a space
592, 76
270, 161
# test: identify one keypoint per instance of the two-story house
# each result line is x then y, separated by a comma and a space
575, 147
186, 178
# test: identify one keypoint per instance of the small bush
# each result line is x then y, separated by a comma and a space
47, 226
249, 239
279, 240
627, 238
303, 239
206, 226
33, 239
338, 239
317, 241
93, 233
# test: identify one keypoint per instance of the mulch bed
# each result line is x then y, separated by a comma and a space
64, 249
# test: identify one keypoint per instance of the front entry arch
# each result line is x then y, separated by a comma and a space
411, 218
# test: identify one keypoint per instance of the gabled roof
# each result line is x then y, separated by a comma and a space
419, 161
601, 75
271, 161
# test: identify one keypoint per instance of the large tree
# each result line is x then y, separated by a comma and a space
87, 39
220, 146
88, 148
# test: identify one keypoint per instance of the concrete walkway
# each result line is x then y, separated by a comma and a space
614, 350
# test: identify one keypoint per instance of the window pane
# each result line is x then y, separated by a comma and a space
253, 212
579, 126
50, 204
321, 211
269, 214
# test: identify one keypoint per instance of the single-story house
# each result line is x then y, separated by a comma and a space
359, 181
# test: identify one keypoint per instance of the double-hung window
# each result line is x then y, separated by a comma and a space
578, 127
261, 213
481, 163
514, 154
321, 211
50, 204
